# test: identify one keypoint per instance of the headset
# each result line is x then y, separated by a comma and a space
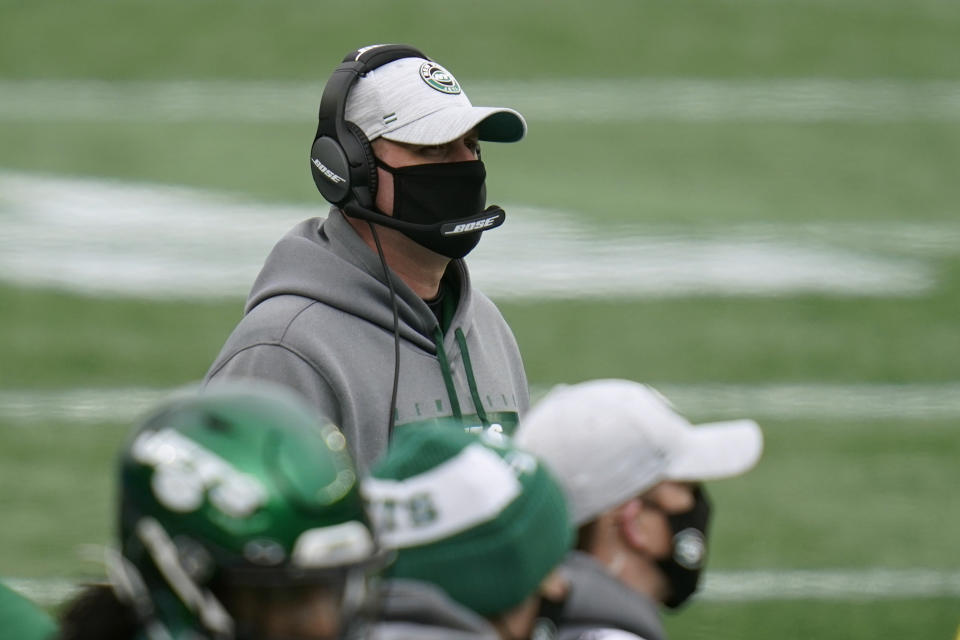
342, 161
344, 167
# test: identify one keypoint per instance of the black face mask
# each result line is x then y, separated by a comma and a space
689, 552
438, 192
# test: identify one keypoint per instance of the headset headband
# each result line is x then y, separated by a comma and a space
333, 104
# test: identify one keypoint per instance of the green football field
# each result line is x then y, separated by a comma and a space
752, 205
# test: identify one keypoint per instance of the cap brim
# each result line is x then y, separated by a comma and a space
717, 450
493, 124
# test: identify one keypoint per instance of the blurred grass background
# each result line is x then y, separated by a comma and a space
828, 494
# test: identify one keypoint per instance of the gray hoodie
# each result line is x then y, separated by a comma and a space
412, 610
319, 319
598, 604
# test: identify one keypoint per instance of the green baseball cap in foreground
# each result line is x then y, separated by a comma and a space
610, 440
476, 516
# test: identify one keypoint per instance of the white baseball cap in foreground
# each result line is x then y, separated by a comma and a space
610, 440
416, 101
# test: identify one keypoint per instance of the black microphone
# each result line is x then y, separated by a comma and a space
490, 218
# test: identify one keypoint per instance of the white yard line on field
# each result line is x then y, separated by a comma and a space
595, 100
831, 584
105, 237
818, 402
811, 402
719, 586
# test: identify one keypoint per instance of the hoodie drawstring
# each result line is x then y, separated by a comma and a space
445, 370
471, 381
448, 377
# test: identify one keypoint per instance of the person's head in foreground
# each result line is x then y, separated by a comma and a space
240, 518
633, 470
475, 517
398, 144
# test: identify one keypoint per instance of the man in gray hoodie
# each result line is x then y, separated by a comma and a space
370, 312
632, 470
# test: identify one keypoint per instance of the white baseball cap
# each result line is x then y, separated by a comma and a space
417, 101
610, 440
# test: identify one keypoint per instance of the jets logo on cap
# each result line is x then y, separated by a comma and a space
439, 78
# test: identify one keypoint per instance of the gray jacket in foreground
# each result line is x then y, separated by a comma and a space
319, 319
412, 610
600, 607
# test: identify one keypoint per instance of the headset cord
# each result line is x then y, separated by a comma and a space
396, 333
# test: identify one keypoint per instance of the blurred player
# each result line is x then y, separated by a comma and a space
478, 527
240, 518
632, 469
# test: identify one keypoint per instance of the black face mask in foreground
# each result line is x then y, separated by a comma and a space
433, 193
689, 551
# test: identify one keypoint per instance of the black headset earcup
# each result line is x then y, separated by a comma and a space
364, 185
341, 158
330, 169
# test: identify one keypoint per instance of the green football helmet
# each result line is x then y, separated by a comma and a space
231, 498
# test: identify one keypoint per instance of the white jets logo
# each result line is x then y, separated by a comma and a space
185, 472
439, 78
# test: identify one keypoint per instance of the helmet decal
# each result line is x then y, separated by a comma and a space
185, 471
232, 488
